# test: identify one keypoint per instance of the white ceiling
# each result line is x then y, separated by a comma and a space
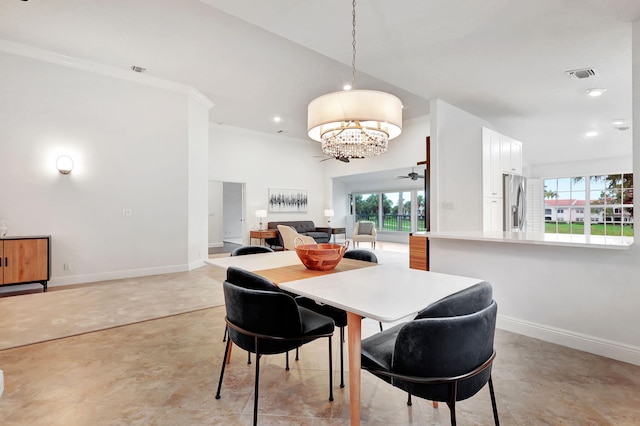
502, 60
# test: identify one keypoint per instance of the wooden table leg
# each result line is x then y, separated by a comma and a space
354, 328
230, 347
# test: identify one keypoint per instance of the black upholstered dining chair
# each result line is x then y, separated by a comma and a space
358, 254
338, 315
445, 354
243, 251
267, 321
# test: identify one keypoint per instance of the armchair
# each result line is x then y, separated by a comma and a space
365, 231
445, 354
289, 235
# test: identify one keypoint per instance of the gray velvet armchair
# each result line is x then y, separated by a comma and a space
445, 354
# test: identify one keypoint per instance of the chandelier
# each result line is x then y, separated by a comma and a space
354, 123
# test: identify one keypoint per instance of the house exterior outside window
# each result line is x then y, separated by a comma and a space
608, 199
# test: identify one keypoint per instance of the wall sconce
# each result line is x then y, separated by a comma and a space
64, 164
329, 213
261, 214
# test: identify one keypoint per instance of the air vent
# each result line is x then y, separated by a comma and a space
138, 69
583, 73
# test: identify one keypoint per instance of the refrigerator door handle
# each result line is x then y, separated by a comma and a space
521, 208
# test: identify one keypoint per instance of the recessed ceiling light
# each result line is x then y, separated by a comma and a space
618, 121
277, 119
591, 134
347, 87
595, 92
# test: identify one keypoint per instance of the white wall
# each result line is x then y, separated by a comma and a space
198, 169
264, 161
579, 297
456, 172
580, 168
215, 214
130, 144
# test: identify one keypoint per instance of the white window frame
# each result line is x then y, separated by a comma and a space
587, 206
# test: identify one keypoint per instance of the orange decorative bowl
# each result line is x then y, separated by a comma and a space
321, 257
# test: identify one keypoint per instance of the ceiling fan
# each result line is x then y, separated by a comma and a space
343, 159
413, 176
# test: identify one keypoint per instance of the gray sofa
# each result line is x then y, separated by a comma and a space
304, 227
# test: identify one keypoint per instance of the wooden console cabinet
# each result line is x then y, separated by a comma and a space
418, 252
25, 260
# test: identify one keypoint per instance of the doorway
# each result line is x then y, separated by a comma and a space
226, 216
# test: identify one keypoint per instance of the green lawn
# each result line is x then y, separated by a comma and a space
390, 223
596, 229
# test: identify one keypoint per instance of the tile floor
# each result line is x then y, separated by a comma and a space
165, 372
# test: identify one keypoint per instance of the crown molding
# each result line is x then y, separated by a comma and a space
97, 68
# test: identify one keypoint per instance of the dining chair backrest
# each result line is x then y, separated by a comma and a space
245, 250
364, 255
254, 306
469, 300
247, 279
445, 347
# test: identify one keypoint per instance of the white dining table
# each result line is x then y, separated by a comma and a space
384, 293
257, 262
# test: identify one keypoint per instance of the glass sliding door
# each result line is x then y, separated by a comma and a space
398, 211
396, 208
367, 208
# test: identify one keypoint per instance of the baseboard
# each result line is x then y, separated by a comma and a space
220, 244
118, 275
197, 264
602, 347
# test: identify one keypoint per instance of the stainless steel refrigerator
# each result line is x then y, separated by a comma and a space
515, 203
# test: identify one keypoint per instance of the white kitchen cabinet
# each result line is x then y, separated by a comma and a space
511, 155
491, 163
500, 155
492, 214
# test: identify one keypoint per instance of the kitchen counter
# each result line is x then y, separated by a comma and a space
567, 240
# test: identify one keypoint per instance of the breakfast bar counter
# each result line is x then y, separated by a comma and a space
566, 240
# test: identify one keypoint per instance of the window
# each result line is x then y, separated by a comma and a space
367, 207
608, 200
399, 211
